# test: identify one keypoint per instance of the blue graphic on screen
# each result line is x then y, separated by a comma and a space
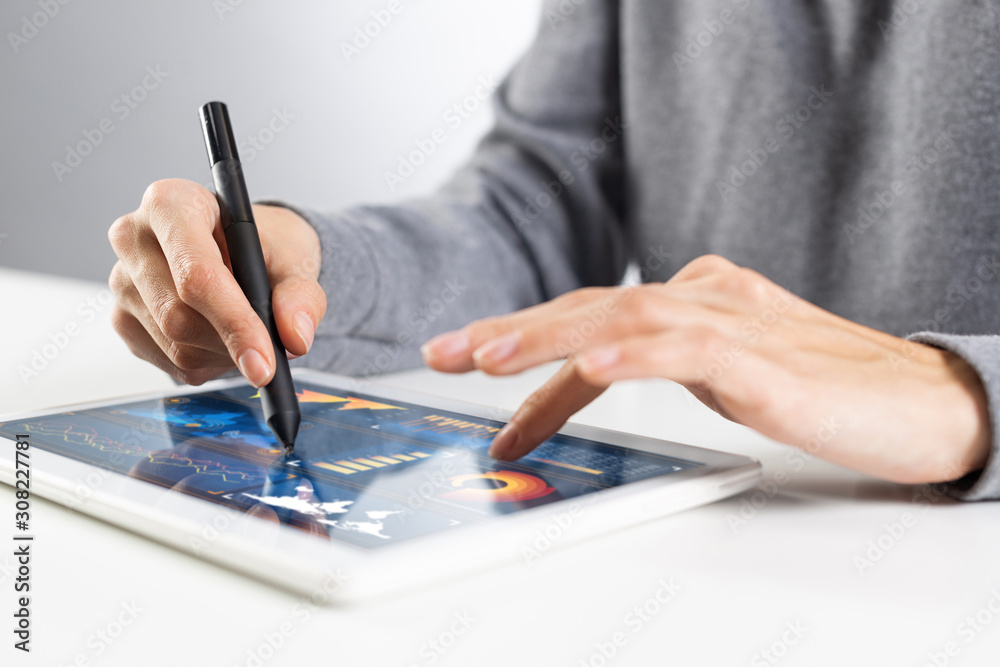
364, 472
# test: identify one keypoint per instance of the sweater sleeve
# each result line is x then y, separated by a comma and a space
534, 213
982, 353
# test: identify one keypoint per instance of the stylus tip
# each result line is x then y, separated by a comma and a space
285, 426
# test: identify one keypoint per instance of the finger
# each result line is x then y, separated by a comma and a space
186, 327
451, 352
647, 311
183, 223
299, 305
492, 343
142, 345
544, 413
298, 300
682, 355
723, 373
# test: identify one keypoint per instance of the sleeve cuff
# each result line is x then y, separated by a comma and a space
982, 353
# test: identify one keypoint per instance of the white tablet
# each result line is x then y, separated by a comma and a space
386, 489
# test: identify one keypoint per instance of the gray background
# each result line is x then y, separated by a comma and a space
352, 120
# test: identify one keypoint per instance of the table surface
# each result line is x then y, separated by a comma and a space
818, 566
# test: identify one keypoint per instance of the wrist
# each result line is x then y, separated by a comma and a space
969, 409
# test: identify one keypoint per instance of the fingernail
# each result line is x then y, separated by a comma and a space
497, 350
305, 328
253, 367
446, 345
505, 442
599, 359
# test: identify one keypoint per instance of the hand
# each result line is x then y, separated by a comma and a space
177, 304
753, 352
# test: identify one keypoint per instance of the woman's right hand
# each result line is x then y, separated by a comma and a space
177, 304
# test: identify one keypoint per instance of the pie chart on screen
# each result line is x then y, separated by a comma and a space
498, 486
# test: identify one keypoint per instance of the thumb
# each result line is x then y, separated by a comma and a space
299, 306
544, 413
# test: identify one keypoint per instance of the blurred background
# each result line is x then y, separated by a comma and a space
101, 99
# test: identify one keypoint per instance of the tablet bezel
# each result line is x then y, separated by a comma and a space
329, 571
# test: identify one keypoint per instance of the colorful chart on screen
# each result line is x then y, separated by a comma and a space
364, 472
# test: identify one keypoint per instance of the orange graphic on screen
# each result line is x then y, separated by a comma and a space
500, 486
350, 403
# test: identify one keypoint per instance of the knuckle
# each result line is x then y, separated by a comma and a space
643, 307
191, 377
484, 329
121, 232
185, 357
119, 281
758, 401
203, 201
708, 342
169, 199
175, 320
238, 328
120, 321
157, 195
195, 282
746, 284
710, 262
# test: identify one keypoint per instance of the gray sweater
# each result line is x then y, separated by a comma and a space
846, 150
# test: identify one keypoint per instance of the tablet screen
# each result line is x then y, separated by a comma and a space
364, 471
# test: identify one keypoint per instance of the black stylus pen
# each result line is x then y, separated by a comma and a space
277, 398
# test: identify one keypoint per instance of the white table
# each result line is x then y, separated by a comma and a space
786, 581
